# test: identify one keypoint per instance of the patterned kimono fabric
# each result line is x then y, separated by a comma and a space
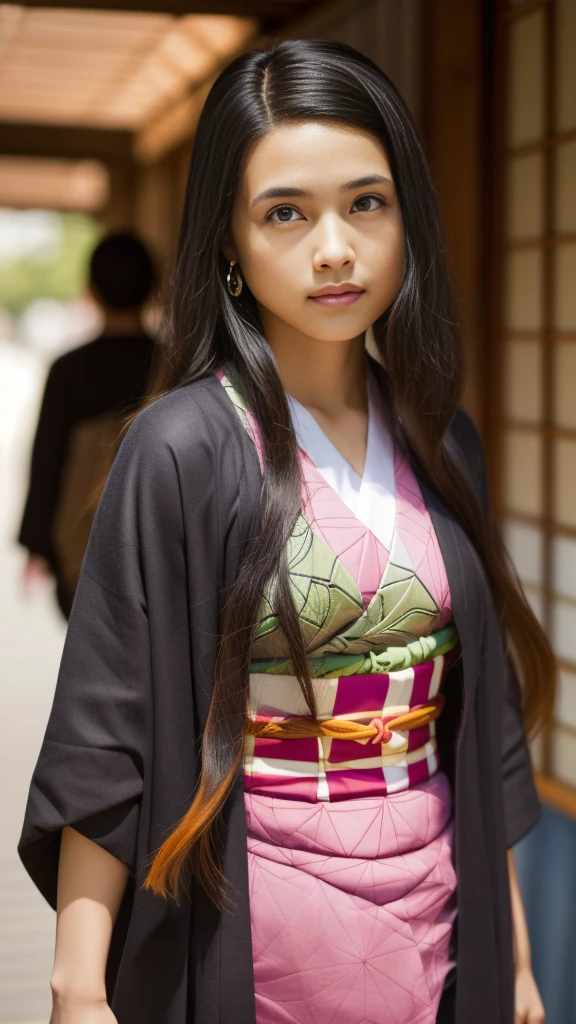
352, 886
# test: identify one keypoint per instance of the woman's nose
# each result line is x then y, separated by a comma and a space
332, 248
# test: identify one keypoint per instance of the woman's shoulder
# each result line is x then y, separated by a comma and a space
463, 431
465, 442
178, 448
188, 421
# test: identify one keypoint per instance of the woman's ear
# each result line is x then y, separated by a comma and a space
229, 250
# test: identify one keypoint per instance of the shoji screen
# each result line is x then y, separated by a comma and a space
535, 351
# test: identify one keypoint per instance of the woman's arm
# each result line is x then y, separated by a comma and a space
528, 1005
91, 884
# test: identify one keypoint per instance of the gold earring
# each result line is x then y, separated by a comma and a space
234, 280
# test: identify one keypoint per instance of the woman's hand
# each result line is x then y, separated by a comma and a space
528, 1007
75, 1009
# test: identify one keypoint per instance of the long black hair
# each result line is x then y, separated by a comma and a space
293, 82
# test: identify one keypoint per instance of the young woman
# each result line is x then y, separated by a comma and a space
286, 757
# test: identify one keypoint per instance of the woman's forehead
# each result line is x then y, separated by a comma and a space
313, 154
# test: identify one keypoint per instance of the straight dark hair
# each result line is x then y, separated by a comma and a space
293, 82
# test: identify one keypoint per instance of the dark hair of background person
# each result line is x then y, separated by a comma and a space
293, 82
122, 271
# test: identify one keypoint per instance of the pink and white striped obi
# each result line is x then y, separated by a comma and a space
321, 768
352, 886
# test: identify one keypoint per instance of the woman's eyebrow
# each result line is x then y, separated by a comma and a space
369, 179
281, 192
289, 192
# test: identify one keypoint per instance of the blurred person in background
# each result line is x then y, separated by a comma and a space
88, 394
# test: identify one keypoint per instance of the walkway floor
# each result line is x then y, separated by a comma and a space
31, 637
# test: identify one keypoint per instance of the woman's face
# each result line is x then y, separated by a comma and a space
317, 231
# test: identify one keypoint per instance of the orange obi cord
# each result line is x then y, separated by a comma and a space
379, 730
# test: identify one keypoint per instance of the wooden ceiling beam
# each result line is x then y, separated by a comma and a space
17, 139
272, 11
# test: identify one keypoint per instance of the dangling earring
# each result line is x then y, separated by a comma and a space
234, 280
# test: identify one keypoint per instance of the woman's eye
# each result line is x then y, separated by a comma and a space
365, 204
284, 214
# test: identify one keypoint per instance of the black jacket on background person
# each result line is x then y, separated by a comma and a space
121, 754
88, 393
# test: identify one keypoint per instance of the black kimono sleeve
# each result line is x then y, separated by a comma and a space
522, 806
521, 803
97, 747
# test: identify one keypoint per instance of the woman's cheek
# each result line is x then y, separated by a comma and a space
271, 278
267, 289
393, 266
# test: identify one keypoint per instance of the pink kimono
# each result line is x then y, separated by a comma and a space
352, 884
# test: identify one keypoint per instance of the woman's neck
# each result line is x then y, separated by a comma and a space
327, 377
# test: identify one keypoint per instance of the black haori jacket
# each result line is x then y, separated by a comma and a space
121, 755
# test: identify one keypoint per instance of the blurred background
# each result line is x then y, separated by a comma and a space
98, 108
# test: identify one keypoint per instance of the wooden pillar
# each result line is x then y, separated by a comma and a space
117, 214
453, 125
159, 197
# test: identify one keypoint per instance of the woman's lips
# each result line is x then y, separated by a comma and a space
336, 301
